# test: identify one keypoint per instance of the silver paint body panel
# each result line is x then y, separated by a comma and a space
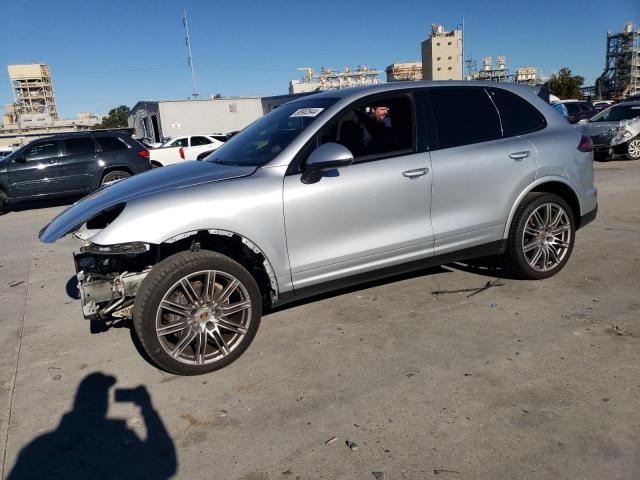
358, 218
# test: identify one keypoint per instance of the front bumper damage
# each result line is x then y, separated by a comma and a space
106, 286
612, 141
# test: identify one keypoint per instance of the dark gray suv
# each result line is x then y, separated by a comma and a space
69, 164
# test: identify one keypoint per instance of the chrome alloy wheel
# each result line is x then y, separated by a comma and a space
547, 237
203, 317
634, 148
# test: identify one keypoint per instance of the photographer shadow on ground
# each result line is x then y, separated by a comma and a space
87, 444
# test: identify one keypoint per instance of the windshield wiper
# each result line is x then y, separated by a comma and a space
222, 162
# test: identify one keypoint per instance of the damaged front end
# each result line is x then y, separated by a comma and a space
109, 276
610, 139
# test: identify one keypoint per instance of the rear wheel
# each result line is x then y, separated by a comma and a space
541, 237
3, 201
197, 312
633, 149
114, 176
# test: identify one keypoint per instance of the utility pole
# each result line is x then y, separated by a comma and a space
185, 22
462, 66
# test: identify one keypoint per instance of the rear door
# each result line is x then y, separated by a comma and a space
39, 174
479, 168
199, 144
79, 163
114, 152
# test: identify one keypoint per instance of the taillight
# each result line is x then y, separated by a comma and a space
181, 152
144, 153
586, 144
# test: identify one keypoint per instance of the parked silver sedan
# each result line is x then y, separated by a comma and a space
327, 191
615, 132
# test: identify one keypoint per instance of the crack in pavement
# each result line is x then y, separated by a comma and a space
20, 336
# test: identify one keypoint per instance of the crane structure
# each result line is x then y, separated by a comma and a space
32, 90
621, 75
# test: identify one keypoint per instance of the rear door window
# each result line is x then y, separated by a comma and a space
42, 151
79, 146
195, 141
464, 116
110, 144
518, 116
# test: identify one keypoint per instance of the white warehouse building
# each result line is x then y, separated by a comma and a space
153, 120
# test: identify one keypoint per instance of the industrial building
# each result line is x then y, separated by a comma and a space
499, 72
442, 54
154, 120
621, 75
330, 79
401, 72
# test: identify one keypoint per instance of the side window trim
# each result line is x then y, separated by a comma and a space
294, 166
497, 111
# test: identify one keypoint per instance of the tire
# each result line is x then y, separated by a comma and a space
534, 251
204, 155
633, 149
3, 202
171, 328
114, 175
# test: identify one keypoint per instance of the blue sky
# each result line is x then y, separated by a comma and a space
103, 54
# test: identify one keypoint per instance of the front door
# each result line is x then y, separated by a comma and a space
38, 173
369, 215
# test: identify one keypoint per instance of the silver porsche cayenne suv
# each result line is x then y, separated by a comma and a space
327, 191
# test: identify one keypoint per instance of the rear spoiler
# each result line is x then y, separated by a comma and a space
543, 93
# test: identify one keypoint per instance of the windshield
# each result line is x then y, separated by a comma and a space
617, 113
264, 139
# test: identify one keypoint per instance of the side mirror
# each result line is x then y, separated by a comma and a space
19, 158
327, 156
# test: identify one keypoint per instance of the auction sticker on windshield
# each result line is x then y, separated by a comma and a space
307, 112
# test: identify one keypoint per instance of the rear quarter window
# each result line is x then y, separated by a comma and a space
518, 116
111, 144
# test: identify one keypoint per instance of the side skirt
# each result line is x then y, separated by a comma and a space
488, 249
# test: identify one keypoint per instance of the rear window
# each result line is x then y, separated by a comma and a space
79, 146
572, 108
518, 116
464, 116
110, 144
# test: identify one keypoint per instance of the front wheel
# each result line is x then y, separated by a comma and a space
541, 237
197, 312
633, 149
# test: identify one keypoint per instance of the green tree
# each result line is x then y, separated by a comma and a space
116, 118
564, 85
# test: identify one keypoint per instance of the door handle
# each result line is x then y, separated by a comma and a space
519, 155
418, 172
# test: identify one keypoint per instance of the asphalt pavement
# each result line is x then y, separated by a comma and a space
407, 378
